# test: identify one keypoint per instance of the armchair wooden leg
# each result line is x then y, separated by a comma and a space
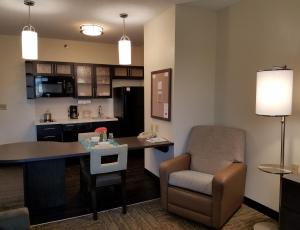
123, 190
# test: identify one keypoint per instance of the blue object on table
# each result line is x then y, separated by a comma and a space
88, 144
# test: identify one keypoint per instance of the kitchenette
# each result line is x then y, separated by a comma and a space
72, 98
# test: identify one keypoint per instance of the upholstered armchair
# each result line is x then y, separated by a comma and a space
207, 183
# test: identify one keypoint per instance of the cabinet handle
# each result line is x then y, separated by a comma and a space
69, 125
47, 137
49, 128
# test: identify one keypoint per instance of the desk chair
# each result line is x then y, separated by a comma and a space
84, 161
97, 174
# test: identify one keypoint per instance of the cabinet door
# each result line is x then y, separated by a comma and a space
120, 72
64, 69
49, 133
103, 83
44, 68
136, 72
84, 80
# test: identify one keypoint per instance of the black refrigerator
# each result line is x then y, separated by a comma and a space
129, 109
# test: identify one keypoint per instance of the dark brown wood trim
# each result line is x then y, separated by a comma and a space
261, 208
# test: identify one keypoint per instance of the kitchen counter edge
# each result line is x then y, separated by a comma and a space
74, 121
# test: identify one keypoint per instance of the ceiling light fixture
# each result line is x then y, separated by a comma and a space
29, 37
124, 45
91, 30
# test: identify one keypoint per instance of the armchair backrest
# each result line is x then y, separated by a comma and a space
98, 167
214, 147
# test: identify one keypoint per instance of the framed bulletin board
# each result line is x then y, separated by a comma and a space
161, 94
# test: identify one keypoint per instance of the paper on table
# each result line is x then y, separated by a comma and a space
156, 139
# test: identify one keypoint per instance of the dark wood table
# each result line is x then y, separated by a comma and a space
44, 166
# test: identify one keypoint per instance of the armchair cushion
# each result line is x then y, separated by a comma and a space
192, 180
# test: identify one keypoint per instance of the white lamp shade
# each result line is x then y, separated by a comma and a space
274, 90
29, 45
124, 52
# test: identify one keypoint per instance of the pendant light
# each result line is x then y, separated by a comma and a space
29, 37
124, 46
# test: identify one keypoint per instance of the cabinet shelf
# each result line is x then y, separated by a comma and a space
128, 78
85, 83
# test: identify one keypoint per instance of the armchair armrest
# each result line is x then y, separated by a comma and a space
228, 189
14, 219
179, 163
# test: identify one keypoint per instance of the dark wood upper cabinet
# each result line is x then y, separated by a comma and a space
39, 67
65, 69
103, 81
89, 80
84, 80
128, 72
48, 68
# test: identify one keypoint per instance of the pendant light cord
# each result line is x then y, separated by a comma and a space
123, 26
29, 15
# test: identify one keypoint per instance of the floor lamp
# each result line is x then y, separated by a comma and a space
274, 90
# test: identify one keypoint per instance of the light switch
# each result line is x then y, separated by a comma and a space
3, 106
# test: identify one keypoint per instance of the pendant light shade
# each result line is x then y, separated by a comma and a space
124, 51
29, 38
124, 46
29, 45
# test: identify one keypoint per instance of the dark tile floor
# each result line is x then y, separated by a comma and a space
140, 186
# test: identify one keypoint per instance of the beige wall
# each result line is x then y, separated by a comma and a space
254, 35
191, 54
16, 123
195, 64
159, 53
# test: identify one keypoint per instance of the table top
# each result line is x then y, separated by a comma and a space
135, 143
35, 151
46, 150
274, 169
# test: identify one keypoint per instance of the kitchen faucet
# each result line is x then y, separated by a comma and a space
100, 111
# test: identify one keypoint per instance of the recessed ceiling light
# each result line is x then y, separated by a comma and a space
91, 30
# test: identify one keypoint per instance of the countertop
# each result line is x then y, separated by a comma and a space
75, 121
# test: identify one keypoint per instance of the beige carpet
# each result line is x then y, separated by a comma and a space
149, 215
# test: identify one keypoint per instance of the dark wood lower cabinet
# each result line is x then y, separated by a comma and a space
290, 206
69, 132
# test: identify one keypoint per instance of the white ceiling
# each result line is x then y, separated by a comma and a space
62, 18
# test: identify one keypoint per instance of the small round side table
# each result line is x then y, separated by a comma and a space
272, 169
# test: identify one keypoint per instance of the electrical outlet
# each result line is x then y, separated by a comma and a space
156, 128
295, 169
3, 106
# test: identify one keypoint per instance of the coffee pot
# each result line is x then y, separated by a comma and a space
73, 112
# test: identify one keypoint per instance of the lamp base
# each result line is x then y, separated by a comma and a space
266, 226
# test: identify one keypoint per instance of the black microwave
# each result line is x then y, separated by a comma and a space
49, 86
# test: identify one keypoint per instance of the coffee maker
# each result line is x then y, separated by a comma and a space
73, 112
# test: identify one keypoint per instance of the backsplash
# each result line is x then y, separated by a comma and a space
59, 107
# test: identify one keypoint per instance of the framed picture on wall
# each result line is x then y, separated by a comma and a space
161, 81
